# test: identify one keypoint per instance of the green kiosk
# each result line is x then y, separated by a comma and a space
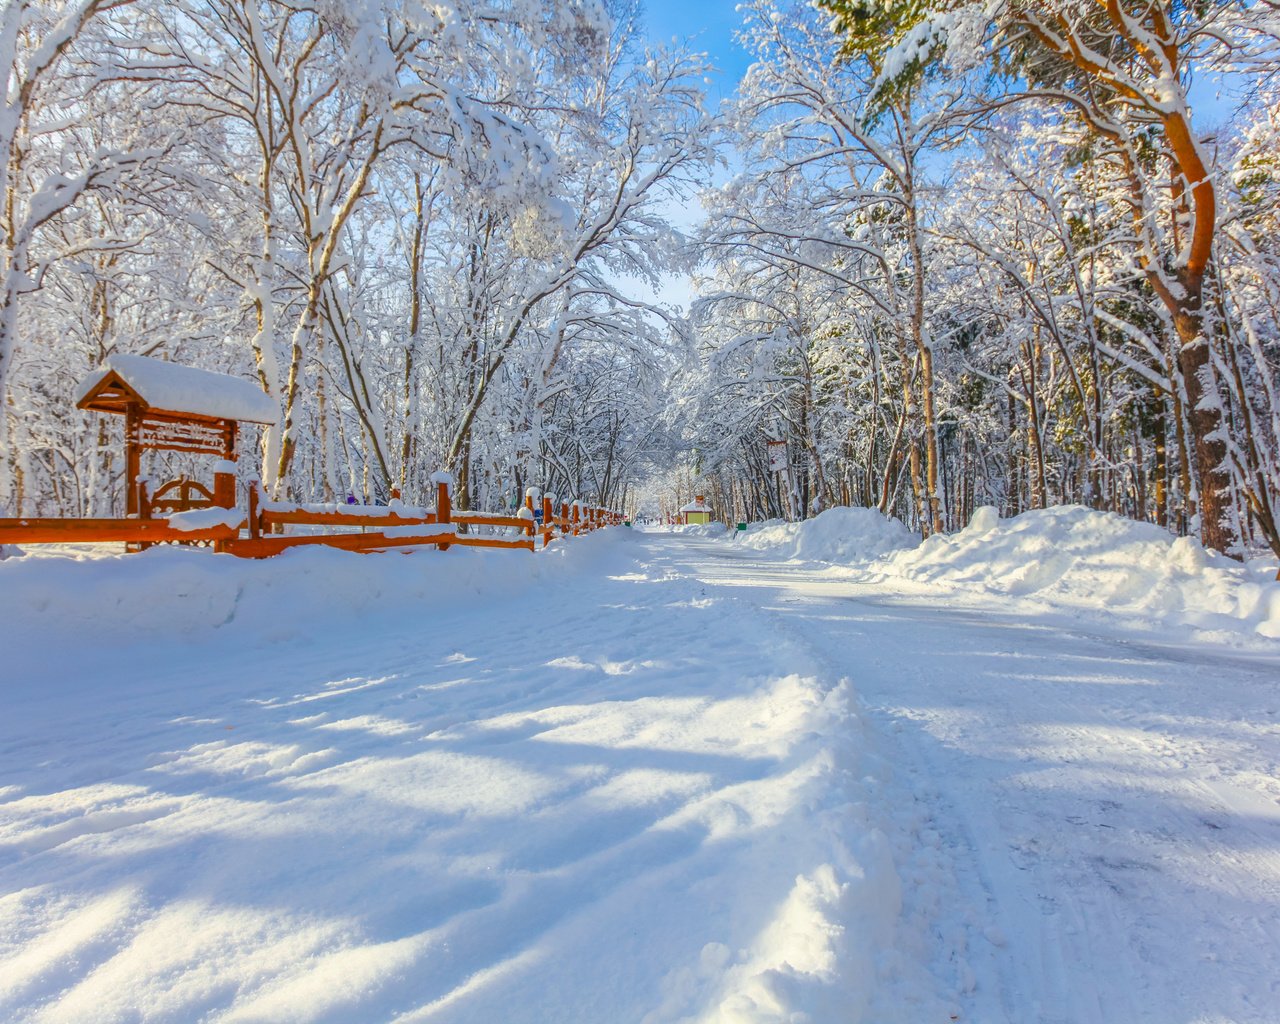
697, 511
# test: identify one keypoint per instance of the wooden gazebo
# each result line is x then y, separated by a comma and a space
170, 407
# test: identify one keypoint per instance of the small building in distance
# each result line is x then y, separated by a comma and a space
697, 511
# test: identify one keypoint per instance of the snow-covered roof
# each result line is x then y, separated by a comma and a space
171, 387
696, 506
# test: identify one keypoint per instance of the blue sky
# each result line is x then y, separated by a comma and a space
711, 23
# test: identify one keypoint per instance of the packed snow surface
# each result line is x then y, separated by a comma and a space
667, 777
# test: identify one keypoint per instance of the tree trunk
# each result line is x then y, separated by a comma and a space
1161, 430
1204, 415
931, 511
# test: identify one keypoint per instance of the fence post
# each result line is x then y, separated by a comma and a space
224, 483
525, 515
255, 523
548, 514
444, 503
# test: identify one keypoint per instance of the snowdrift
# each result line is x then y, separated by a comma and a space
1064, 558
77, 609
698, 529
845, 535
1074, 557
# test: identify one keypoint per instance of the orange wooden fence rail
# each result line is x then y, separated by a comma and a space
260, 532
101, 531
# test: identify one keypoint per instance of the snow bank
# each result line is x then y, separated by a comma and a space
845, 535
1067, 557
700, 529
1074, 557
76, 608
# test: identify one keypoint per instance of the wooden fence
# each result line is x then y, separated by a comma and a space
260, 532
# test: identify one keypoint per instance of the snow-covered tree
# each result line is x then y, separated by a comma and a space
1125, 70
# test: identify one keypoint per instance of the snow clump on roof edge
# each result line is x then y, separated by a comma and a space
173, 387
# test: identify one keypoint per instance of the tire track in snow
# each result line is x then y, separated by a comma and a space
1071, 777
441, 821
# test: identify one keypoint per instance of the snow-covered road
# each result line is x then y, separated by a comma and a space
1108, 807
660, 779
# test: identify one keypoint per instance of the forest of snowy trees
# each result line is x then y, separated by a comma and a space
414, 222
984, 254
953, 254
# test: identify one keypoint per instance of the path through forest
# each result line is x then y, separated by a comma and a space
660, 780
1109, 806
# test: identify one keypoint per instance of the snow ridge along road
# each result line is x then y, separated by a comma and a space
648, 779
